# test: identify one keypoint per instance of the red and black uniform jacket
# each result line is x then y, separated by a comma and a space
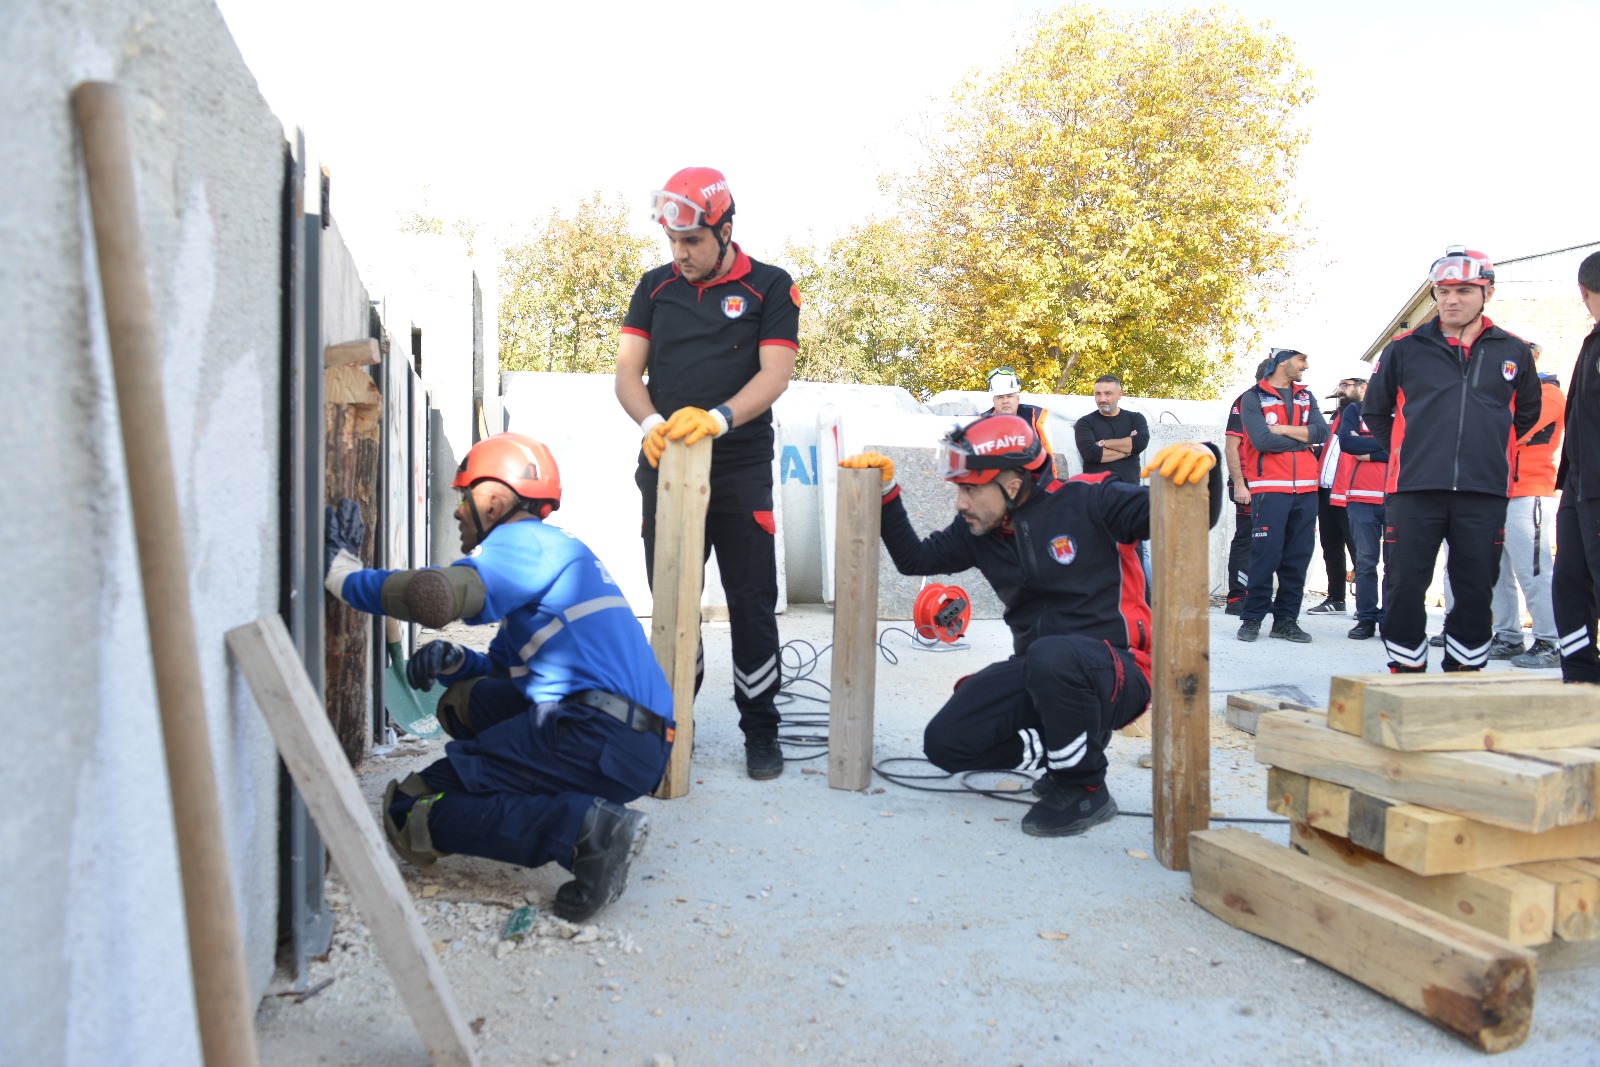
1578, 477
1273, 463
1449, 414
1358, 480
1065, 562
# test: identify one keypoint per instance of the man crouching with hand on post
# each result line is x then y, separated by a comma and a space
1064, 559
565, 720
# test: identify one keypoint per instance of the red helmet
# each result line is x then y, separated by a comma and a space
977, 452
692, 198
1461, 265
516, 461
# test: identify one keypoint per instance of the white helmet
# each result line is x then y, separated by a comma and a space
1003, 382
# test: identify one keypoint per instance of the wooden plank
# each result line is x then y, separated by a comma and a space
1436, 842
683, 491
362, 352
1180, 702
1495, 787
1345, 691
1494, 716
1505, 902
1244, 709
855, 628
350, 385
266, 658
1471, 983
1577, 896
1309, 800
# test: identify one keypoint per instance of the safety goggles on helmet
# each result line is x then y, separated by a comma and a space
678, 214
1461, 266
975, 453
1003, 382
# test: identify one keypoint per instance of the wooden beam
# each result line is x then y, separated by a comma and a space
351, 470
855, 629
1473, 984
278, 681
683, 491
1346, 691
1180, 701
1505, 901
1493, 715
350, 385
1576, 884
1244, 709
1309, 800
1515, 791
362, 352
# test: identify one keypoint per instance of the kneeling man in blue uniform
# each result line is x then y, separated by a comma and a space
1063, 557
564, 721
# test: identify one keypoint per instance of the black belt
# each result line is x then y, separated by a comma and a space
636, 716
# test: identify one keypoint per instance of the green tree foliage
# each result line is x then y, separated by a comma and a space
565, 289
1115, 197
865, 314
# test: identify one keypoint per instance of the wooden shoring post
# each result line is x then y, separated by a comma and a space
855, 624
266, 657
1180, 700
683, 491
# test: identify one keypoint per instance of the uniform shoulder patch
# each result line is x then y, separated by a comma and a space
794, 294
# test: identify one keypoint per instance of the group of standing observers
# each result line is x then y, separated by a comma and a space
1450, 438
567, 718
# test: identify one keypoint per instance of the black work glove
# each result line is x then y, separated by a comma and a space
431, 660
341, 544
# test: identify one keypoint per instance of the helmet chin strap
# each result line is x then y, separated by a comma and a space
477, 520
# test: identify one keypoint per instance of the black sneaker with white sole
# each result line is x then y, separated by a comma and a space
1362, 630
1328, 607
609, 840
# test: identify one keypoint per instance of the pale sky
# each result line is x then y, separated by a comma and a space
1470, 122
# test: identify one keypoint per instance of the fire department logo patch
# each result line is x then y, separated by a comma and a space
1271, 417
1509, 369
733, 306
1063, 549
794, 294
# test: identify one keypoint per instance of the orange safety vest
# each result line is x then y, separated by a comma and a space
1280, 472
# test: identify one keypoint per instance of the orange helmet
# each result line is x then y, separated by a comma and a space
519, 462
977, 452
1461, 265
692, 198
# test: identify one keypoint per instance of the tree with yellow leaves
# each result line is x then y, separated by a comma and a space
1114, 198
566, 288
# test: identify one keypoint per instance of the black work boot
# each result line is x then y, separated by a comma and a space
1362, 630
1249, 629
1067, 810
610, 838
763, 759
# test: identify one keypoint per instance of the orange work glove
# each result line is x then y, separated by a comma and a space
655, 438
869, 461
1183, 463
690, 424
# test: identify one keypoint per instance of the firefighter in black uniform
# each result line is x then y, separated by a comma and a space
717, 333
1448, 401
1064, 559
1575, 584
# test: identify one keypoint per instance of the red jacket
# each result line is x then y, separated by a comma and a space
1357, 480
1291, 467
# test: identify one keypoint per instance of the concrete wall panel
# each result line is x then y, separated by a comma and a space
93, 932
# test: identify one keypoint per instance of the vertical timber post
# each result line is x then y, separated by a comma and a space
1181, 668
683, 491
855, 623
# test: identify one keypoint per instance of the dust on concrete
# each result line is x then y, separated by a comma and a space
785, 922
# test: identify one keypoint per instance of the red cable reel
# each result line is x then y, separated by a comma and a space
941, 613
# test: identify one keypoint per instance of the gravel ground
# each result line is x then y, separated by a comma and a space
785, 922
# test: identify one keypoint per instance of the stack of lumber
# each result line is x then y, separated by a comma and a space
1443, 838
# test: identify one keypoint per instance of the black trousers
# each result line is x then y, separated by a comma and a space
1575, 587
1050, 708
1333, 530
740, 529
1414, 525
1282, 528
1239, 551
